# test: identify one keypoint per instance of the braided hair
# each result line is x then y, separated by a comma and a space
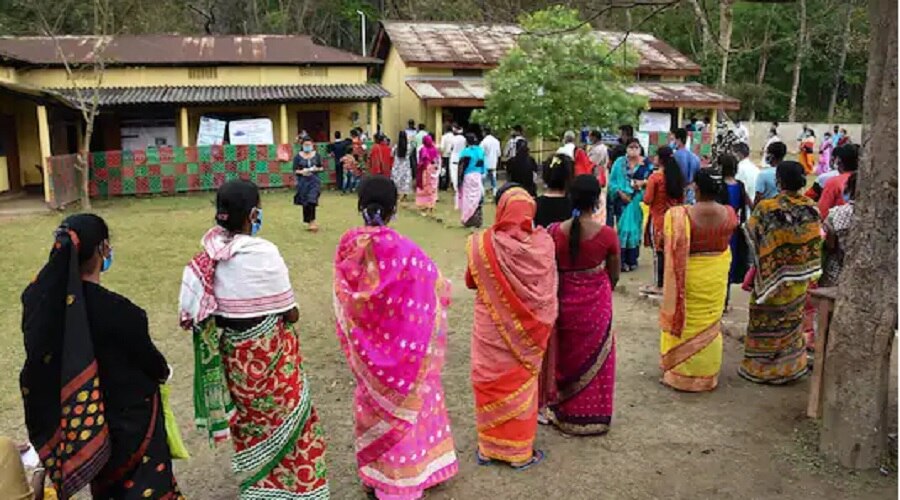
585, 196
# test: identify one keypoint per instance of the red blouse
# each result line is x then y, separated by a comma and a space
714, 238
655, 196
591, 253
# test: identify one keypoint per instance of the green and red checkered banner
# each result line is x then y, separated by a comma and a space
169, 170
701, 142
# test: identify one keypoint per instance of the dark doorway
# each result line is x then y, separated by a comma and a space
9, 147
460, 116
316, 123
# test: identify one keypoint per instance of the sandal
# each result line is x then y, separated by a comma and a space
537, 456
482, 460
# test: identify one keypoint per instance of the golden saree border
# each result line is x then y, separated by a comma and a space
577, 429
571, 390
677, 228
690, 384
684, 351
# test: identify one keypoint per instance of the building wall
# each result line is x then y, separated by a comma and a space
144, 76
403, 103
8, 74
25, 113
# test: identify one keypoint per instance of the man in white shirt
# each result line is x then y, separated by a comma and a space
457, 144
746, 169
445, 146
491, 147
741, 132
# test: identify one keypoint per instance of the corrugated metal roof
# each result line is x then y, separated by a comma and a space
127, 96
178, 49
683, 94
441, 89
476, 45
472, 91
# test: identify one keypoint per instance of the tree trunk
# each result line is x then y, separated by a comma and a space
706, 39
798, 62
857, 362
83, 164
842, 60
726, 12
763, 62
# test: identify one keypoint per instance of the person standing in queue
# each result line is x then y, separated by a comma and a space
307, 165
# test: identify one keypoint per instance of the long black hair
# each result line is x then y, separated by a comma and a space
585, 195
558, 172
402, 145
234, 201
672, 173
377, 200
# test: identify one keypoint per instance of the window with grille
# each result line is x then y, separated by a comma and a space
205, 73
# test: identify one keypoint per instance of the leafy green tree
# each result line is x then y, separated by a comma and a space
558, 77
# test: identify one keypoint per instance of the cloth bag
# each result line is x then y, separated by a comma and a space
173, 435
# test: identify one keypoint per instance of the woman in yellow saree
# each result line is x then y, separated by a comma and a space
513, 269
697, 260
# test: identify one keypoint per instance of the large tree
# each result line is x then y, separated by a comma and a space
560, 76
857, 362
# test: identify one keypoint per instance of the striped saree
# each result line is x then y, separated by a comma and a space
513, 270
691, 312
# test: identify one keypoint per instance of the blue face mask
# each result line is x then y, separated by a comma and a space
307, 149
257, 224
846, 198
107, 262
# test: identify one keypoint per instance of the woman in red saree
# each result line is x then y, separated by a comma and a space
587, 253
391, 303
512, 267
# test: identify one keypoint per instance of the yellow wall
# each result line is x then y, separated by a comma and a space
4, 175
25, 113
143, 76
8, 74
403, 103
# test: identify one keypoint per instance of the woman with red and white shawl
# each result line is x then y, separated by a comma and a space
237, 298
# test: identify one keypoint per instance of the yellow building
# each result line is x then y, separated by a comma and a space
434, 72
155, 89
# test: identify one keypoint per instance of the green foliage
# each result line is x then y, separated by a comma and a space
559, 77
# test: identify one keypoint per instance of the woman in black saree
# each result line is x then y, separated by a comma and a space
91, 378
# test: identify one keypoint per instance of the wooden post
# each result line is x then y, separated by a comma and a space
283, 135
44, 140
185, 128
823, 298
680, 118
713, 123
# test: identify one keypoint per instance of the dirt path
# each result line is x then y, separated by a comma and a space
741, 441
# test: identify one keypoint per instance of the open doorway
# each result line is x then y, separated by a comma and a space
9, 155
316, 123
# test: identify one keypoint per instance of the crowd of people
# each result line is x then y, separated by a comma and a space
542, 345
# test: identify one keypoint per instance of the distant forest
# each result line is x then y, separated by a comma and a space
767, 44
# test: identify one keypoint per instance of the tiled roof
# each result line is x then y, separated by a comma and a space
125, 96
464, 45
471, 92
178, 49
683, 94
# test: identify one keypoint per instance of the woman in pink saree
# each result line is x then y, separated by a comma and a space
427, 170
587, 255
391, 304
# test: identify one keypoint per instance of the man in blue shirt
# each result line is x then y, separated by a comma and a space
766, 187
688, 162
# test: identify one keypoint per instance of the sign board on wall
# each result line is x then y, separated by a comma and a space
212, 131
254, 131
655, 122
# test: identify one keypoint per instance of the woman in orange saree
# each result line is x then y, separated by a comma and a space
513, 269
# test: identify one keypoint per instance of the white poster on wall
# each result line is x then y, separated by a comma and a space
644, 139
212, 131
655, 122
254, 131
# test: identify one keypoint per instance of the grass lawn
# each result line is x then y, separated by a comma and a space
740, 441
